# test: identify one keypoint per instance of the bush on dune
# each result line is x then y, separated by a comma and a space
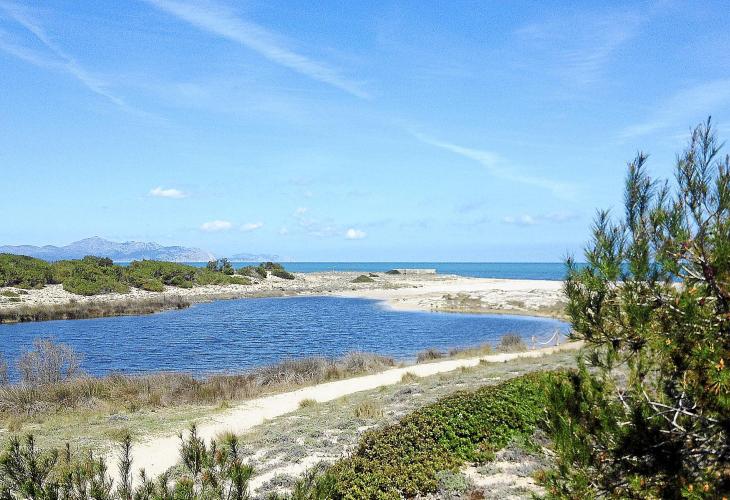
24, 272
404, 459
90, 276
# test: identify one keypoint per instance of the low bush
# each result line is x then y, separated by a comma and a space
48, 363
393, 271
152, 286
9, 294
405, 459
90, 276
252, 272
281, 273
4, 378
363, 278
24, 272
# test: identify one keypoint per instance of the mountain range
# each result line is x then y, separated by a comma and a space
120, 252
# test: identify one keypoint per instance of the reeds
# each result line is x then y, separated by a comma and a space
92, 309
171, 389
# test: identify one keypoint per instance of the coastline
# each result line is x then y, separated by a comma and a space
417, 292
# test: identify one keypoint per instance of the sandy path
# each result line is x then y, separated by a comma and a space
157, 454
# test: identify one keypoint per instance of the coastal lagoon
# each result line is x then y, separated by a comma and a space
231, 336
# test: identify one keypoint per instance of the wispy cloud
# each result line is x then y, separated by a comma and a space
498, 167
355, 234
160, 192
580, 47
683, 108
215, 226
251, 226
59, 60
222, 21
531, 220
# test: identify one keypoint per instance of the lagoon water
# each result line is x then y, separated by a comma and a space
235, 335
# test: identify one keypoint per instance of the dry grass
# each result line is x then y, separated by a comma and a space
409, 378
429, 355
307, 403
92, 309
368, 410
511, 342
174, 389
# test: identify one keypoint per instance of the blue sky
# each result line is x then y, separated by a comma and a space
472, 131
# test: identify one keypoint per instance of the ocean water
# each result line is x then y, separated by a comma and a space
506, 270
235, 335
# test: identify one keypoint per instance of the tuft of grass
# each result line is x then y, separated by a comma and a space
409, 378
9, 294
429, 355
511, 342
368, 410
307, 403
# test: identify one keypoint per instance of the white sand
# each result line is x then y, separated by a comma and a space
156, 454
406, 292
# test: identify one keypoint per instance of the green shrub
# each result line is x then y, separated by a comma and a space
90, 276
24, 272
152, 286
167, 273
9, 293
404, 460
239, 280
393, 271
281, 273
363, 278
250, 271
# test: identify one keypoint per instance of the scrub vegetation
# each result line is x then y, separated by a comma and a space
98, 275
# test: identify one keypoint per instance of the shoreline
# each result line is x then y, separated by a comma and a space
428, 293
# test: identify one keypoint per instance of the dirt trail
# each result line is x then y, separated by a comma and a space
156, 454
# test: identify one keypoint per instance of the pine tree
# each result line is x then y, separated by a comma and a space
647, 415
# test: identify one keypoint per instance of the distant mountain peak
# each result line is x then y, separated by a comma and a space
121, 252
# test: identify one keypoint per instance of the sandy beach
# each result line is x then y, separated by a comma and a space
419, 292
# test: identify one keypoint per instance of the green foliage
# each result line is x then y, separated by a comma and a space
393, 271
90, 276
262, 271
9, 293
211, 472
221, 265
648, 413
363, 278
141, 272
24, 272
405, 459
281, 273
